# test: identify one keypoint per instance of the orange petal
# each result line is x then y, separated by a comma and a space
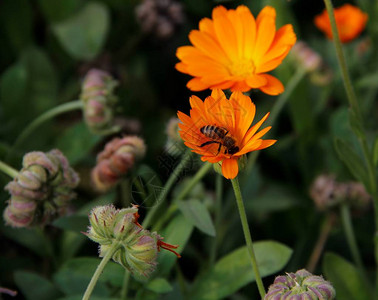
240, 86
252, 146
196, 84
206, 25
208, 46
244, 111
225, 32
266, 30
250, 133
230, 168
266, 144
181, 67
249, 27
273, 87
256, 81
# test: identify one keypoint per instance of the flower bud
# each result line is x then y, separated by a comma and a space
116, 160
174, 145
41, 191
137, 248
301, 285
99, 100
305, 56
159, 17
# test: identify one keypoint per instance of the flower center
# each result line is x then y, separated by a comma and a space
242, 68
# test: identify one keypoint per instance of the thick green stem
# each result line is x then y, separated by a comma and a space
277, 108
218, 212
125, 285
100, 269
63, 108
185, 191
167, 187
247, 235
8, 170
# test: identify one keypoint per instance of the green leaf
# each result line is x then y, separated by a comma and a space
234, 271
56, 11
70, 243
74, 276
73, 223
84, 34
33, 239
375, 152
355, 124
76, 141
354, 163
197, 214
159, 285
177, 232
345, 278
33, 286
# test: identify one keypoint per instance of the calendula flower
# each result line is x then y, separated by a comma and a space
218, 129
350, 22
234, 51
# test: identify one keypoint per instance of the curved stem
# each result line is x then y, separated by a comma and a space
167, 187
185, 191
66, 107
8, 170
247, 235
351, 239
277, 108
99, 270
320, 243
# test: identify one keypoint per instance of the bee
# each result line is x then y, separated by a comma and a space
219, 135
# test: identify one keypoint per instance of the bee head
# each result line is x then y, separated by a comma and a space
233, 150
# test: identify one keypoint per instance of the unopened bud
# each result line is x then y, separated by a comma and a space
99, 100
41, 191
307, 57
301, 285
137, 248
116, 160
174, 145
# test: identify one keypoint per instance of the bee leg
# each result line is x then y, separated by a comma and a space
208, 143
220, 145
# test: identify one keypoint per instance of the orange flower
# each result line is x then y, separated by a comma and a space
218, 129
350, 22
234, 51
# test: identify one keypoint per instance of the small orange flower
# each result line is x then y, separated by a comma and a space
218, 129
234, 51
350, 22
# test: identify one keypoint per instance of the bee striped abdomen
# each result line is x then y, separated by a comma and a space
214, 132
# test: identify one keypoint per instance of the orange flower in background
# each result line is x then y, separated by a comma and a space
234, 51
218, 129
350, 22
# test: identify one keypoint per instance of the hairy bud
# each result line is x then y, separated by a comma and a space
160, 17
116, 160
41, 191
301, 285
99, 101
137, 248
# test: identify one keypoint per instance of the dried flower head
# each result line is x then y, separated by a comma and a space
116, 160
160, 17
301, 285
41, 191
99, 101
219, 129
136, 248
327, 193
234, 51
350, 22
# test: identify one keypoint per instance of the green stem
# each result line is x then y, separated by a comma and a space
247, 235
8, 170
99, 270
351, 239
277, 108
125, 285
356, 110
218, 212
66, 107
185, 191
167, 187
